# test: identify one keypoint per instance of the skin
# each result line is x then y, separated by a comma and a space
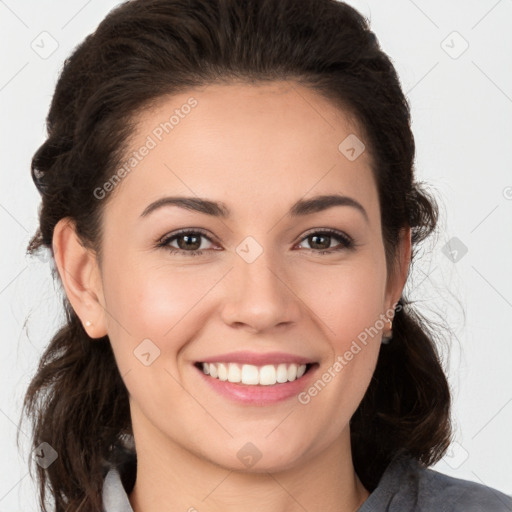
258, 149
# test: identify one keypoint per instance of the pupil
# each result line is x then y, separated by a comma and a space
315, 237
188, 245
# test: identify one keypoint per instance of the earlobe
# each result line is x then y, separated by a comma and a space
79, 272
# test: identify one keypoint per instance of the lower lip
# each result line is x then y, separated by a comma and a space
259, 394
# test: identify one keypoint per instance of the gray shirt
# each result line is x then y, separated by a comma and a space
405, 486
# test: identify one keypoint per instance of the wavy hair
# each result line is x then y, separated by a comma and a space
147, 49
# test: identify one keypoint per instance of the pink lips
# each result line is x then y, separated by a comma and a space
257, 359
258, 394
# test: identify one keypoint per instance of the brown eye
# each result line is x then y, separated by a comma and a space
320, 241
187, 242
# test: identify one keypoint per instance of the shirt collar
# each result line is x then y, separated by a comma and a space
115, 498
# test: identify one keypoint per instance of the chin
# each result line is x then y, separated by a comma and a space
258, 457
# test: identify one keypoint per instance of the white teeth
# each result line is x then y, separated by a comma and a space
251, 375
234, 373
292, 372
222, 371
282, 373
268, 375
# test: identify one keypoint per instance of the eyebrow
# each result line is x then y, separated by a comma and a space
218, 209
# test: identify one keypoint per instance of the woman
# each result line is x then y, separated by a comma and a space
228, 192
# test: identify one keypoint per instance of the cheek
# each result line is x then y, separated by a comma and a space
160, 303
347, 302
345, 299
350, 312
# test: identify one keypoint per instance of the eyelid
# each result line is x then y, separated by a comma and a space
329, 231
173, 234
164, 241
344, 238
203, 232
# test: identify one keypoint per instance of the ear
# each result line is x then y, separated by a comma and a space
81, 278
400, 269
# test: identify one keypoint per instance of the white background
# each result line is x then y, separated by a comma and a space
461, 109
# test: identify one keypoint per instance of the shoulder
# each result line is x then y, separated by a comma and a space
456, 494
409, 486
440, 492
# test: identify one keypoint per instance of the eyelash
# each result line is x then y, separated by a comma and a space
346, 241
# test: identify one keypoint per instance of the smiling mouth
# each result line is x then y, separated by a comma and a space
252, 375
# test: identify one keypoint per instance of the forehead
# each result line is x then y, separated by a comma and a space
244, 144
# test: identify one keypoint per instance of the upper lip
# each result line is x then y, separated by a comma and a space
257, 359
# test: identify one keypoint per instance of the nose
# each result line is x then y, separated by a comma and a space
259, 295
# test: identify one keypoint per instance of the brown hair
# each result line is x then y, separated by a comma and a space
143, 50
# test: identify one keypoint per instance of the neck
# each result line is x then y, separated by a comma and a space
177, 479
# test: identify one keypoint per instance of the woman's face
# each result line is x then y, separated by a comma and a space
268, 290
